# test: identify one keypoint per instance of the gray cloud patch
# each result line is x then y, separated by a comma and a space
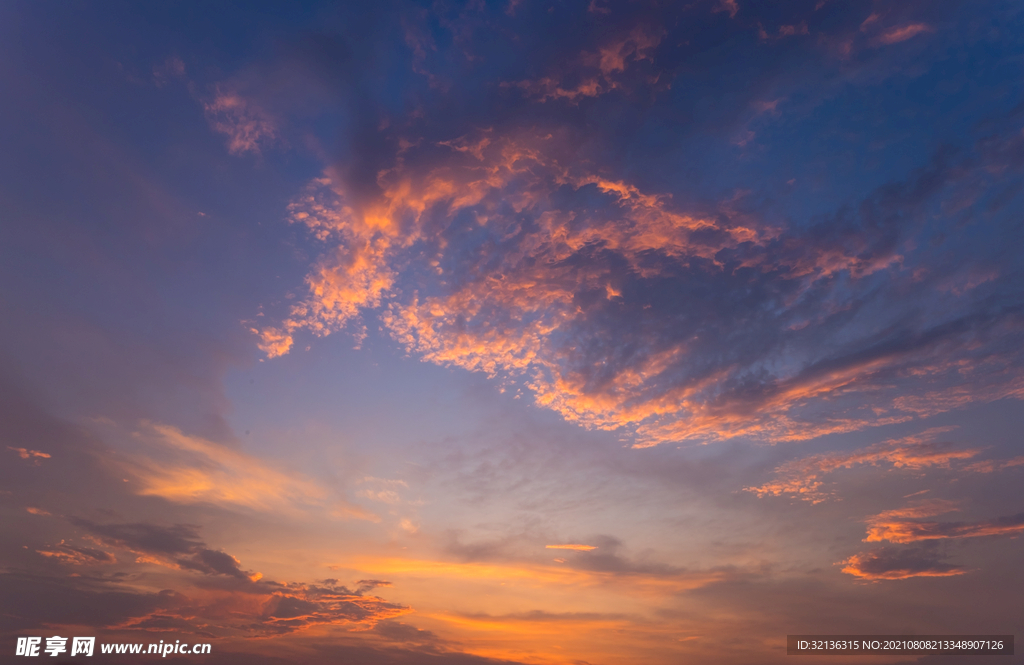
892, 563
172, 541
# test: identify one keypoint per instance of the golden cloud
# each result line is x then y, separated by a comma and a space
190, 469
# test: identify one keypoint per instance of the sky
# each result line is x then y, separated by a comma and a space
537, 332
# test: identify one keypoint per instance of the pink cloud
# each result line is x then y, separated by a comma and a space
246, 125
902, 33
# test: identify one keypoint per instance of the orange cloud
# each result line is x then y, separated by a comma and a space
517, 313
572, 546
274, 342
888, 526
262, 609
188, 469
567, 256
803, 478
887, 564
24, 453
77, 556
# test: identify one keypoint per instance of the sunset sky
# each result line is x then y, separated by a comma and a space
538, 332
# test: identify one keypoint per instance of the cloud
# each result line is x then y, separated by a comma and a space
902, 33
147, 575
171, 68
297, 607
572, 546
889, 526
802, 478
898, 564
990, 466
248, 609
266, 609
29, 454
367, 631
594, 73
623, 309
581, 569
232, 600
730, 6
383, 489
190, 469
54, 601
248, 127
77, 556
783, 32
177, 546
498, 236
923, 508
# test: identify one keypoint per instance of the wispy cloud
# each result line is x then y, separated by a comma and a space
248, 127
902, 33
79, 556
594, 73
190, 469
804, 478
24, 453
991, 466
593, 570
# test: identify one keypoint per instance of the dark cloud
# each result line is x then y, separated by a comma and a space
362, 586
177, 539
603, 557
396, 631
35, 601
258, 608
607, 558
170, 542
214, 562
889, 563
896, 530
